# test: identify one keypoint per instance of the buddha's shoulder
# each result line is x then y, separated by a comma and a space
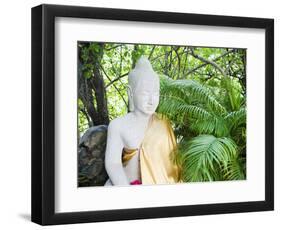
161, 120
118, 122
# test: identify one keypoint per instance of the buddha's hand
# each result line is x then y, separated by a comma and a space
135, 182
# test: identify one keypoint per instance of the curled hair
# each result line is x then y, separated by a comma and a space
142, 69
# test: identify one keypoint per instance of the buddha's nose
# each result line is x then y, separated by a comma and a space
150, 100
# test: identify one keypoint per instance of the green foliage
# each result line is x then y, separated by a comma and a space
206, 156
214, 150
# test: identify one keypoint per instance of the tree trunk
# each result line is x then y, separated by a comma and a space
91, 90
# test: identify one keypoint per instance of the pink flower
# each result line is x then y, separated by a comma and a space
135, 182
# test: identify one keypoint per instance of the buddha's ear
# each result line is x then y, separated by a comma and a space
130, 97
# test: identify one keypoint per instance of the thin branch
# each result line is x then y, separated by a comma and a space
114, 47
208, 62
158, 57
151, 52
202, 65
116, 79
114, 86
179, 61
185, 50
121, 57
86, 115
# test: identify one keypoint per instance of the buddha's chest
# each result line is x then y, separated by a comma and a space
133, 135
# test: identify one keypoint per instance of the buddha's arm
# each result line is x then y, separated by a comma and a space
113, 156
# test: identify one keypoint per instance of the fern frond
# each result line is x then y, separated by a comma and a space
203, 155
235, 169
236, 118
174, 105
192, 90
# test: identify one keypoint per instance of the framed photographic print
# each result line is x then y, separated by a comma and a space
146, 114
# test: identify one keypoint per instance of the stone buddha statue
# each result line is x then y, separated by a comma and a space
141, 145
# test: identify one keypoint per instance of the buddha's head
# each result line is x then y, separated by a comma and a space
143, 88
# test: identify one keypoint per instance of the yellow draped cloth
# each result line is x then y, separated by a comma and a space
157, 151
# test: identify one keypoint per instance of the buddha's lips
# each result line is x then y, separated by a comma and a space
135, 182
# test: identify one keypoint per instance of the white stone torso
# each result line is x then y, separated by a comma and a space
132, 135
134, 130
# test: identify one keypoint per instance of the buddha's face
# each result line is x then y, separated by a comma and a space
146, 95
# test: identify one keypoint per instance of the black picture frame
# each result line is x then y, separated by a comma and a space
43, 114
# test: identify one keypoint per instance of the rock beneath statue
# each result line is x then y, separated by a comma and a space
91, 154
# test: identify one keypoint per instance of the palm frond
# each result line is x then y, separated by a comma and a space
233, 93
175, 107
215, 125
236, 118
204, 155
235, 169
218, 136
190, 90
